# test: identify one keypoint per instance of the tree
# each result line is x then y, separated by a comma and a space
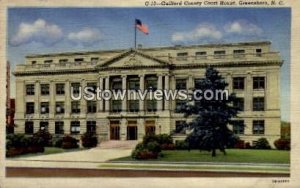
210, 127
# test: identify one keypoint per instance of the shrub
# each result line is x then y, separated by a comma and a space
144, 154
20, 144
69, 142
181, 145
168, 146
282, 144
262, 143
57, 142
89, 140
42, 138
164, 139
240, 144
248, 146
153, 147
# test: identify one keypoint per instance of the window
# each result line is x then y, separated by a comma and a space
30, 89
116, 84
258, 127
182, 56
94, 59
150, 127
48, 61
75, 105
33, 62
219, 54
133, 105
239, 103
259, 82
29, 107
180, 105
78, 59
63, 61
75, 127
258, 52
258, 104
133, 83
181, 84
59, 108
179, 125
238, 53
116, 105
92, 87
238, 83
60, 89
75, 87
44, 89
197, 83
91, 127
238, 127
28, 127
201, 55
44, 107
91, 106
151, 83
151, 105
44, 125
59, 127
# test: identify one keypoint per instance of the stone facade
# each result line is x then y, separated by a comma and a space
43, 86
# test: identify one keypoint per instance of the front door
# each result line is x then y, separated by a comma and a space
132, 133
115, 132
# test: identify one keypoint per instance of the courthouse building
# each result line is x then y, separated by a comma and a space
43, 82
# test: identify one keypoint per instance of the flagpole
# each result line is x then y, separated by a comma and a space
135, 34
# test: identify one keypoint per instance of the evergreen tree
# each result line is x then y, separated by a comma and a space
210, 127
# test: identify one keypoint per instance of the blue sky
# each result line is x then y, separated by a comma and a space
46, 30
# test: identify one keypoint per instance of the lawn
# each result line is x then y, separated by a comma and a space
48, 150
233, 155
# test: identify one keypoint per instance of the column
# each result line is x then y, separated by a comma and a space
67, 99
123, 129
37, 99
248, 92
190, 82
124, 87
167, 87
107, 88
101, 102
159, 87
142, 88
83, 103
52, 94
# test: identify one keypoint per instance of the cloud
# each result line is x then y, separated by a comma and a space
242, 27
39, 31
86, 37
202, 31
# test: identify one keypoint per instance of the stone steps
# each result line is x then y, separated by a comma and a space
118, 144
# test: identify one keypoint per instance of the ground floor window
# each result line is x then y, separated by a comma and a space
28, 127
238, 127
59, 127
115, 130
258, 127
44, 125
75, 127
132, 130
91, 127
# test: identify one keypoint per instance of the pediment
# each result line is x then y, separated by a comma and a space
132, 58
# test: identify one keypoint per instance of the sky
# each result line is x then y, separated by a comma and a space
50, 30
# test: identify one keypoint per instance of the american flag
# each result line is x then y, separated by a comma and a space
142, 27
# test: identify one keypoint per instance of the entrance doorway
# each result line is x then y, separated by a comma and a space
132, 133
150, 127
132, 130
114, 130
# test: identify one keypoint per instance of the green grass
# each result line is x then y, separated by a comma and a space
48, 151
233, 155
